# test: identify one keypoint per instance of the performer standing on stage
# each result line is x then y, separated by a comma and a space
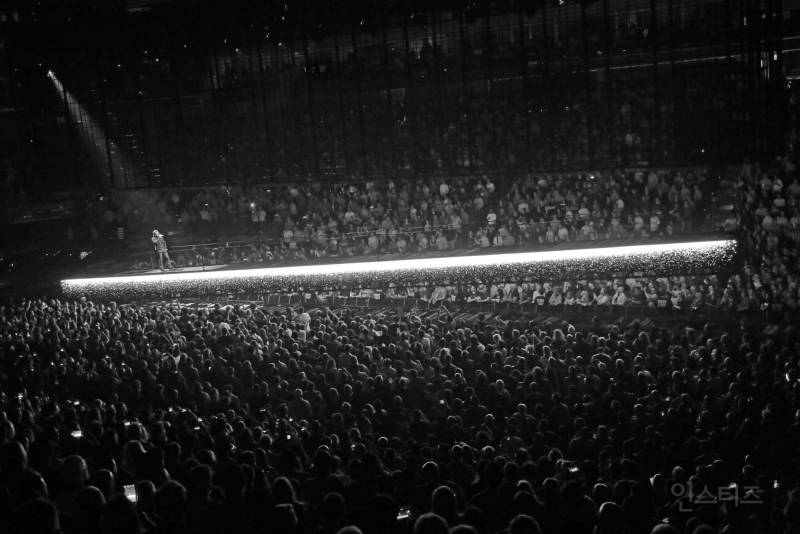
161, 249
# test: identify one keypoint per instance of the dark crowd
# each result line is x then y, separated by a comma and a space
180, 418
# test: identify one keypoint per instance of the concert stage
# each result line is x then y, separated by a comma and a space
650, 259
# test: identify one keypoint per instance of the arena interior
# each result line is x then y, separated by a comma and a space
405, 267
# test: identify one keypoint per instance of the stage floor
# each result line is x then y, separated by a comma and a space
174, 271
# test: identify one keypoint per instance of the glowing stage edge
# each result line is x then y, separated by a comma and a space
661, 258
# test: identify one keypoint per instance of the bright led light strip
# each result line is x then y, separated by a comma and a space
123, 284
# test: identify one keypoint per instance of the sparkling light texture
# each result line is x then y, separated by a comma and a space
700, 256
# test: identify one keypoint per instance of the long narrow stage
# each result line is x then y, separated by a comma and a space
660, 259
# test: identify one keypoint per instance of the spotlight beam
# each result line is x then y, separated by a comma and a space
661, 258
93, 136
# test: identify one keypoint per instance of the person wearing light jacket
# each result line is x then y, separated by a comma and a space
160, 245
